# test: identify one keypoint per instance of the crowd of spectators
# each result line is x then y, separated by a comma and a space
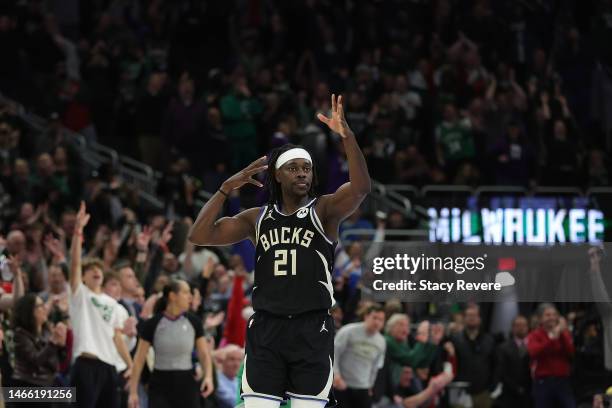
542, 356
475, 92
468, 92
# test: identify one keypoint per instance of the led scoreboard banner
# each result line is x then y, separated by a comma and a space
518, 220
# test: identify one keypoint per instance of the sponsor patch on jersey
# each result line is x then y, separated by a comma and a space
302, 213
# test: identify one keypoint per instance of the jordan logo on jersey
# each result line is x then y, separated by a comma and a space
323, 328
269, 216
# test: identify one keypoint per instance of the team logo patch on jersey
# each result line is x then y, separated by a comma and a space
302, 213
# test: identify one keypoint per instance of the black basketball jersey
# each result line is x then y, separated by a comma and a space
293, 262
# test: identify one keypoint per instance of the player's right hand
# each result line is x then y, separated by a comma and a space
245, 175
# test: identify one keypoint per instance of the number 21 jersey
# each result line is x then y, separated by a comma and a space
293, 262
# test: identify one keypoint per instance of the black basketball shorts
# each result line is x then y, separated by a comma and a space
289, 357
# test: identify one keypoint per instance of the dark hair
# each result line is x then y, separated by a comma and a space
520, 316
542, 308
121, 264
472, 306
162, 303
109, 276
63, 267
375, 308
90, 263
23, 313
274, 188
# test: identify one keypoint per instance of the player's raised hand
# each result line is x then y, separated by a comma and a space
245, 175
337, 122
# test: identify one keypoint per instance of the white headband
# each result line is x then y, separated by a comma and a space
296, 153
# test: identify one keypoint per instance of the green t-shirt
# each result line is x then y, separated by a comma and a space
400, 354
456, 140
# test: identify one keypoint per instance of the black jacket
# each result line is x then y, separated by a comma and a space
475, 361
513, 372
36, 358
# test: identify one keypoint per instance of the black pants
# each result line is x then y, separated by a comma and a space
353, 398
552, 392
173, 389
292, 356
95, 382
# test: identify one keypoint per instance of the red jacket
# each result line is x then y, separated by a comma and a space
550, 357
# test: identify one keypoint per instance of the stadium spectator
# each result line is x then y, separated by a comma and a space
16, 247
39, 347
399, 351
455, 143
184, 121
411, 166
97, 328
149, 116
57, 296
359, 352
475, 358
513, 367
551, 348
239, 110
604, 302
112, 287
411, 393
514, 159
227, 376
561, 147
129, 286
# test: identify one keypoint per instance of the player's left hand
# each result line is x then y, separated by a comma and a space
207, 386
337, 122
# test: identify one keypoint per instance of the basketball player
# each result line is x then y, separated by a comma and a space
289, 341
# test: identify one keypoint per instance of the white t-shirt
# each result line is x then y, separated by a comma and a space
94, 316
123, 316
